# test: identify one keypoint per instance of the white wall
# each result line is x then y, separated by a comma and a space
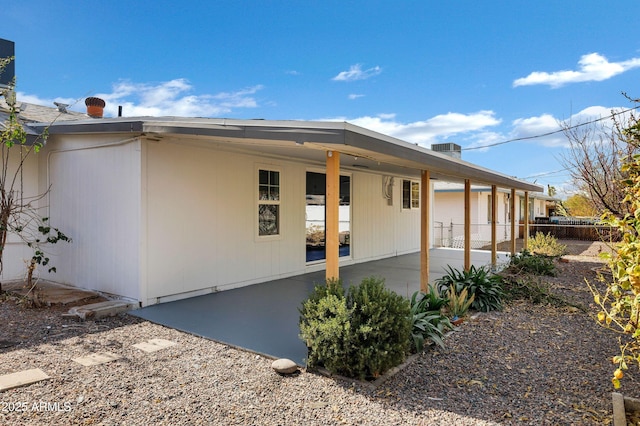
201, 233
16, 252
201, 210
95, 200
161, 220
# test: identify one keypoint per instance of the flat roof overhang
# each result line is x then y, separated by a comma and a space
362, 149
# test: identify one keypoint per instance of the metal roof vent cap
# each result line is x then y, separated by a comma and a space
95, 107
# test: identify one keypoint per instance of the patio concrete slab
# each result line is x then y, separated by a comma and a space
263, 318
97, 358
22, 378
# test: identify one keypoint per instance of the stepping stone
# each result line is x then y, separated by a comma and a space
100, 310
154, 345
21, 378
97, 358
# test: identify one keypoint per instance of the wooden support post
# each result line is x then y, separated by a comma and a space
467, 224
494, 231
512, 208
425, 228
332, 203
525, 241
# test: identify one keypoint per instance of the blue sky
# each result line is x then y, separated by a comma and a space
470, 72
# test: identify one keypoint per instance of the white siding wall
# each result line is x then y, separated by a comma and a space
202, 221
95, 200
16, 252
407, 222
201, 214
156, 221
373, 229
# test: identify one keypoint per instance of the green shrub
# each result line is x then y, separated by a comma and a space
427, 320
546, 245
480, 283
532, 263
361, 334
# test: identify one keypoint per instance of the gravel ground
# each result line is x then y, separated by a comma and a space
525, 365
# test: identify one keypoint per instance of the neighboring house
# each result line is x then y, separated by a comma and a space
448, 214
163, 208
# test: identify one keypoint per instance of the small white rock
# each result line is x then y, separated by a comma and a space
284, 366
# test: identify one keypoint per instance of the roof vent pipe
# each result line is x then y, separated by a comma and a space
95, 107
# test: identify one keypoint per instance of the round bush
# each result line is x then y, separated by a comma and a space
362, 334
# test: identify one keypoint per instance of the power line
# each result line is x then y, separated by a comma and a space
552, 133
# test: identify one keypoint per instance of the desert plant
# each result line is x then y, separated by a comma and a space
460, 302
527, 262
359, 334
532, 288
481, 283
432, 300
546, 245
427, 320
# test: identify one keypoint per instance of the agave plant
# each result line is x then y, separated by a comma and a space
481, 283
428, 322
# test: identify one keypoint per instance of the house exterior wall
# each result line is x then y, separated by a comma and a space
95, 200
201, 221
16, 252
448, 218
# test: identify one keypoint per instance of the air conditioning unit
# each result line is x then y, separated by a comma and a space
449, 148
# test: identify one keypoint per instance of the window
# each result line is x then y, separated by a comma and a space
268, 202
410, 195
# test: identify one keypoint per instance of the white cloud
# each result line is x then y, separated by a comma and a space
432, 130
591, 67
170, 98
536, 126
173, 98
357, 73
354, 96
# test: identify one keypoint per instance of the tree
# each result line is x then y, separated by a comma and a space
19, 213
620, 302
580, 205
594, 158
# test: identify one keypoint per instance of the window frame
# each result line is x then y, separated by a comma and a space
413, 193
259, 202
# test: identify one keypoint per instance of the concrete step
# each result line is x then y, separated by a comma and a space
100, 310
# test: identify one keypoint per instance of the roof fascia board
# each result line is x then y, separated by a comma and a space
329, 133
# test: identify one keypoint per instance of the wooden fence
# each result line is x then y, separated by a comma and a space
575, 231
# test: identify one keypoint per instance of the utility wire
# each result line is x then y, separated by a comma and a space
552, 133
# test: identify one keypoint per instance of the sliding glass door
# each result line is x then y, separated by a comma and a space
316, 215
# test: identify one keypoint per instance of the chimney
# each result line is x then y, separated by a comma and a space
450, 149
95, 107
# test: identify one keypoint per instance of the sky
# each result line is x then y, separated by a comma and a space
476, 73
